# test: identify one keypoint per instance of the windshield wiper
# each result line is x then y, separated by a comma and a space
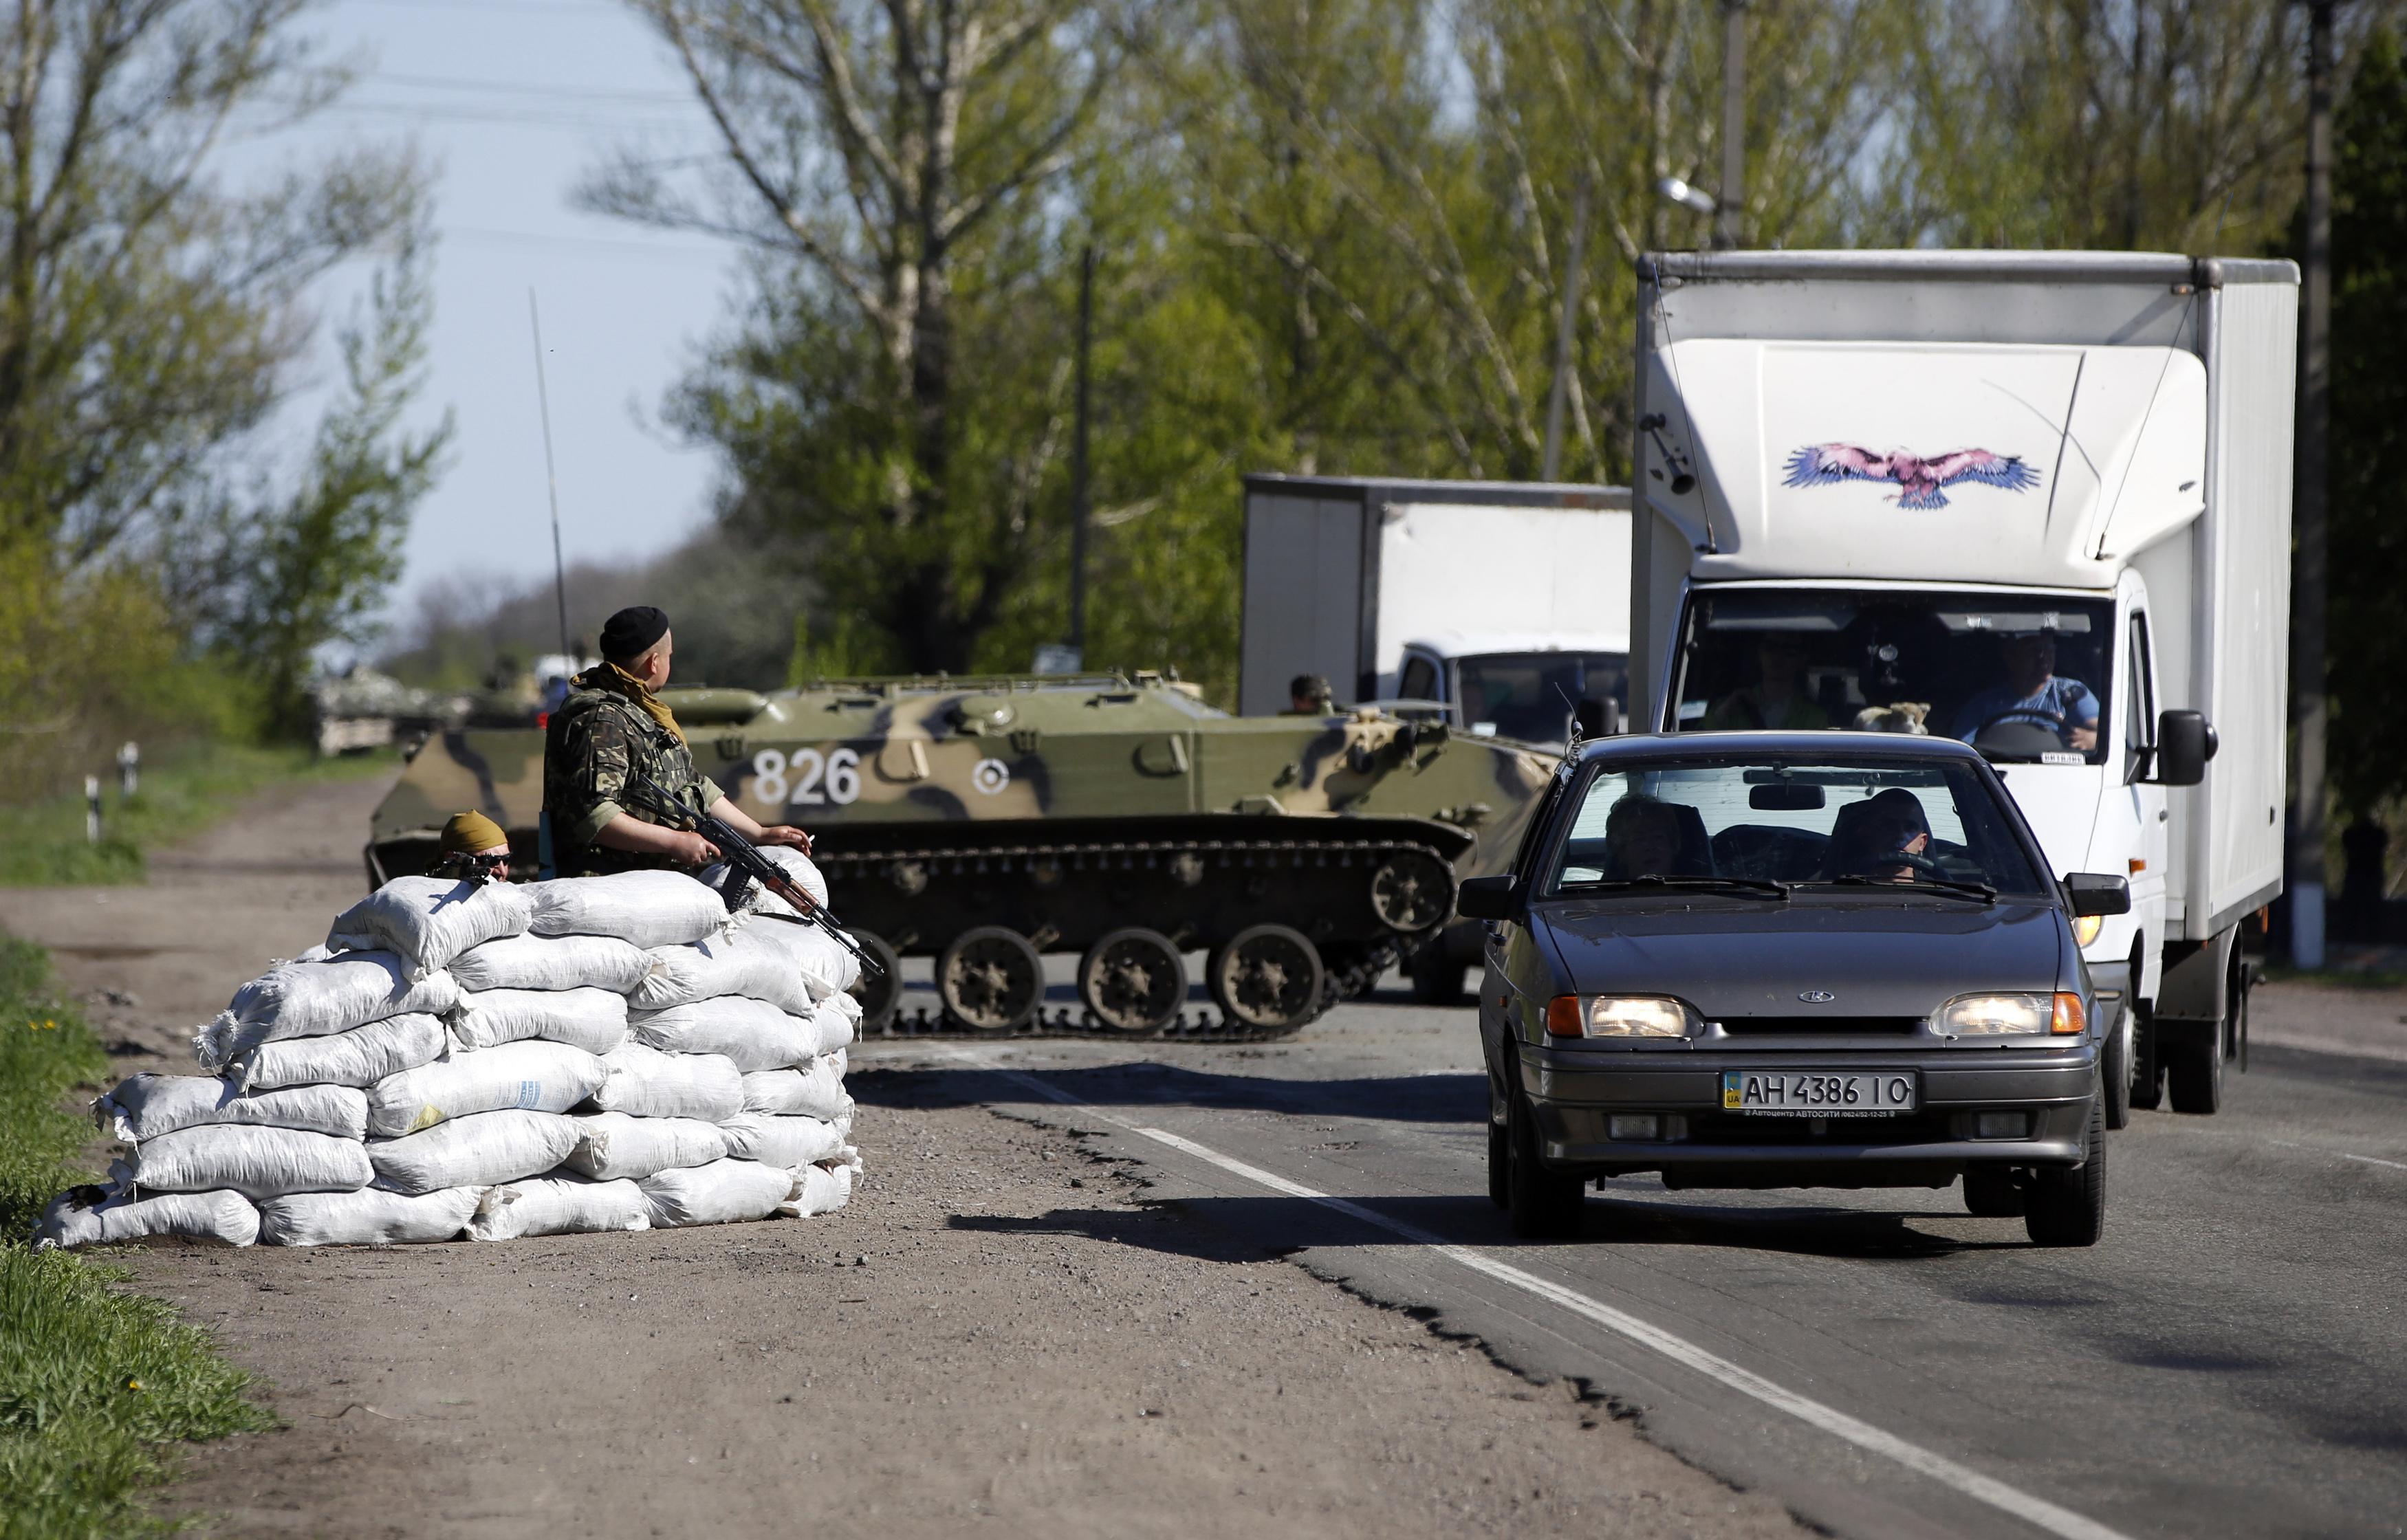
1979, 891
1654, 879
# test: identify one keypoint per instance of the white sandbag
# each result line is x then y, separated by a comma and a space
552, 962
316, 999
258, 1163
594, 1020
839, 1018
649, 1083
816, 1089
613, 1144
798, 867
752, 1034
741, 964
646, 908
428, 921
791, 1142
559, 1206
474, 1152
360, 1057
725, 1192
369, 1217
820, 1189
826, 966
92, 1216
147, 1106
542, 1076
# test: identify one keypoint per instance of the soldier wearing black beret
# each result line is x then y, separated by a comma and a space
612, 724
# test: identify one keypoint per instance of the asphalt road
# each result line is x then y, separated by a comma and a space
2229, 1360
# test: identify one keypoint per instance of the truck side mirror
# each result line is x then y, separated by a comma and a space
2097, 891
1486, 898
2185, 742
1596, 718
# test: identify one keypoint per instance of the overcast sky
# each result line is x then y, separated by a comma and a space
514, 100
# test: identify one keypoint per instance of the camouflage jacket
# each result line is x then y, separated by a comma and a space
592, 742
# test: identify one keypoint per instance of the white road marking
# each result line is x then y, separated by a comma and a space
2036, 1511
2363, 1160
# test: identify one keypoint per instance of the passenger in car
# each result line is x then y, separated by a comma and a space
1867, 834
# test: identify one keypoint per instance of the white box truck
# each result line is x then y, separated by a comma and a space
2038, 501
1506, 602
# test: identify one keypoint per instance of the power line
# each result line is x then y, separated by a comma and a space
514, 87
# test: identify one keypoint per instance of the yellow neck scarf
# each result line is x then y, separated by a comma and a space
610, 676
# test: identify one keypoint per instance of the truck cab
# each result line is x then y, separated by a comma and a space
1524, 686
2034, 501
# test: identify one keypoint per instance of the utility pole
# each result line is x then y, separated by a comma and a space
2311, 565
1079, 502
1729, 210
550, 476
1566, 329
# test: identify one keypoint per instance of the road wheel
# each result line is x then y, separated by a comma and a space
2148, 1065
1991, 1193
2194, 1073
990, 978
1437, 978
1500, 1164
1266, 977
882, 996
1544, 1204
2069, 1208
1412, 891
1134, 980
2117, 1069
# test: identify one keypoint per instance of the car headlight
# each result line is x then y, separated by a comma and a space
2086, 928
1619, 1016
2010, 1016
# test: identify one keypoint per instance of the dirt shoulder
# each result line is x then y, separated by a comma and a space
997, 1331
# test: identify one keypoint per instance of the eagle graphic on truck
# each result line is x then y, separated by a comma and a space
1918, 480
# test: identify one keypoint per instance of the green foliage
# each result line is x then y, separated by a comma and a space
2368, 432
182, 791
94, 1382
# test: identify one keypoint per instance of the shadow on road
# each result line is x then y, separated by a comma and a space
1402, 1098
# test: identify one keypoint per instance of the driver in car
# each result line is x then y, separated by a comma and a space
1878, 840
2033, 692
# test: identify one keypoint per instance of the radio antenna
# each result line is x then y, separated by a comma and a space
550, 476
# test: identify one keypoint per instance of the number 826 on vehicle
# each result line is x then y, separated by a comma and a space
1795, 1094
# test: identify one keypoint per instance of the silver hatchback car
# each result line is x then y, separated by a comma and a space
1790, 960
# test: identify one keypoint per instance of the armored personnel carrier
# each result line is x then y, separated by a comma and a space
985, 822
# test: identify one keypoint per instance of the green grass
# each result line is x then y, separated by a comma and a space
43, 844
97, 1386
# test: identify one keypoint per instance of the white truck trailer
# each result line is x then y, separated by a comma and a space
2039, 500
1504, 602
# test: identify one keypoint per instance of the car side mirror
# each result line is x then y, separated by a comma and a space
2097, 891
2185, 742
1596, 718
1486, 898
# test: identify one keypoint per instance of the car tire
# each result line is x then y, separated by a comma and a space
2069, 1208
2194, 1074
1991, 1193
1500, 1164
1544, 1204
2147, 1091
2117, 1069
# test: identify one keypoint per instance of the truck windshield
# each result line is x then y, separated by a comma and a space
1530, 696
1845, 822
2023, 678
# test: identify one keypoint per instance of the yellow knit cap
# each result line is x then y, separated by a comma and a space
471, 833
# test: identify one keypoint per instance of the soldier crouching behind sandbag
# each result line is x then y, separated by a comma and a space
613, 724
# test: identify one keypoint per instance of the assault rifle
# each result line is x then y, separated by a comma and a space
745, 865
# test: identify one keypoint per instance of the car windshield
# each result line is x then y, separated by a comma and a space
2023, 678
1530, 696
1845, 822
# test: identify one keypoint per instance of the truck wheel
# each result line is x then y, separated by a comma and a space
1544, 1204
880, 998
1134, 980
990, 978
2194, 1073
2148, 1065
2117, 1070
1991, 1193
2069, 1208
1266, 977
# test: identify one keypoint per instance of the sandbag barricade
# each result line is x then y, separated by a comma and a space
467, 1062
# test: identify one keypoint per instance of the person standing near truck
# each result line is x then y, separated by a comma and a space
613, 727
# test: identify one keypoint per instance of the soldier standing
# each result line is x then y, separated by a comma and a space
612, 724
